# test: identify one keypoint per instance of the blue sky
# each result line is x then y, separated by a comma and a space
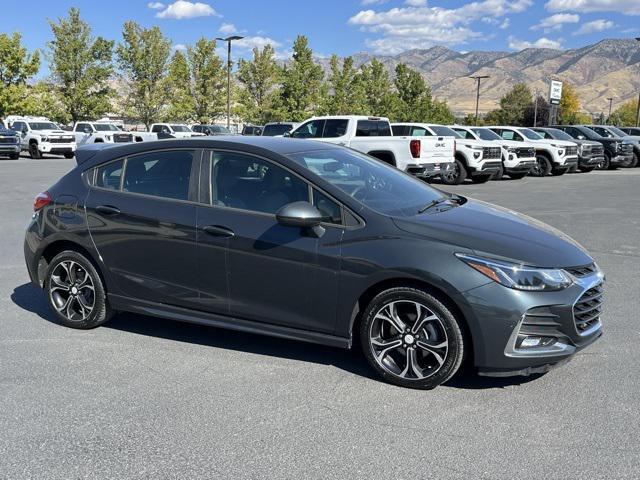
348, 26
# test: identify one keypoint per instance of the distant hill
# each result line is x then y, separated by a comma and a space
610, 68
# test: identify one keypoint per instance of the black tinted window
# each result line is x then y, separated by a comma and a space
161, 174
156, 128
249, 183
312, 129
400, 130
109, 175
330, 210
335, 128
373, 128
276, 129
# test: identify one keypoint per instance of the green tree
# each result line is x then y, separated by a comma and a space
143, 58
513, 107
380, 97
414, 96
302, 85
625, 115
346, 94
440, 113
259, 95
81, 66
181, 103
208, 85
44, 100
16, 67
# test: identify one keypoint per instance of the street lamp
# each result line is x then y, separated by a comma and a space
610, 105
229, 40
477, 78
638, 110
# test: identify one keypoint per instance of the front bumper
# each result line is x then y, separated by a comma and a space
57, 148
568, 162
500, 319
591, 161
618, 159
490, 166
523, 165
6, 148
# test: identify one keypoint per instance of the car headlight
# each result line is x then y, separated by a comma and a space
512, 149
472, 147
519, 277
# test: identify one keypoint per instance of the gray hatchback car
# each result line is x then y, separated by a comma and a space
313, 242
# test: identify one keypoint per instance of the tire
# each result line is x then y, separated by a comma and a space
75, 291
604, 165
518, 176
586, 169
499, 174
481, 178
557, 172
34, 152
456, 176
542, 167
14, 156
632, 163
435, 362
69, 155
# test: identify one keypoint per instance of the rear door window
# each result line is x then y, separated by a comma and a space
165, 174
334, 128
400, 130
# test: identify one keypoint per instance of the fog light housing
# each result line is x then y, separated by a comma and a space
476, 154
533, 341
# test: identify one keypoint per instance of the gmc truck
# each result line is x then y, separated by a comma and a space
424, 157
97, 132
39, 135
590, 153
552, 156
609, 131
9, 143
174, 130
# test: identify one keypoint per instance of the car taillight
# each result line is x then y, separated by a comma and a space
42, 200
414, 146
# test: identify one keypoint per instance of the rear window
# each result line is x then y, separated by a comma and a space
373, 128
444, 131
275, 129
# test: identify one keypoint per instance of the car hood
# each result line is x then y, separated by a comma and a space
54, 132
475, 143
497, 232
549, 141
514, 144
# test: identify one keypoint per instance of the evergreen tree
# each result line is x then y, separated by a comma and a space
181, 104
346, 94
513, 107
16, 67
81, 66
302, 85
208, 80
258, 99
380, 98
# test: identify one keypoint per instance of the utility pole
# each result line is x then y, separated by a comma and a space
477, 78
638, 113
535, 110
229, 65
610, 105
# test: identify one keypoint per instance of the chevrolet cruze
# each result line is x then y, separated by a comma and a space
312, 242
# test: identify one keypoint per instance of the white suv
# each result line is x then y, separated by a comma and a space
518, 158
39, 135
552, 156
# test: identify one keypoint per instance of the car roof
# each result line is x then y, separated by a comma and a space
94, 154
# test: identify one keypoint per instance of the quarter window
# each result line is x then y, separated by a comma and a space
108, 176
161, 174
249, 183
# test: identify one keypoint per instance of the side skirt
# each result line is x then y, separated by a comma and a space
119, 302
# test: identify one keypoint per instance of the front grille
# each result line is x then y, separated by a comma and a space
489, 153
597, 150
572, 150
587, 310
626, 148
122, 138
580, 272
526, 152
61, 140
8, 139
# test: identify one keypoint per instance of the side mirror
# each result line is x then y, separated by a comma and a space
303, 215
286, 134
581, 137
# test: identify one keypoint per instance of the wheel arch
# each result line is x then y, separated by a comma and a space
58, 246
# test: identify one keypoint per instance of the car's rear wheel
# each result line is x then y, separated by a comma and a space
411, 338
455, 175
75, 291
542, 167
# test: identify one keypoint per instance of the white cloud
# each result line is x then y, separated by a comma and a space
629, 7
249, 43
228, 28
594, 26
556, 21
505, 24
416, 3
155, 5
403, 28
180, 46
183, 9
373, 2
516, 44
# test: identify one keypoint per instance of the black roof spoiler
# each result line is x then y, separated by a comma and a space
85, 152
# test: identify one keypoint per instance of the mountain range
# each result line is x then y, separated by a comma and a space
607, 69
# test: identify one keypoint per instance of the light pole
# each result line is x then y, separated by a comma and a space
229, 40
638, 109
477, 78
535, 110
610, 105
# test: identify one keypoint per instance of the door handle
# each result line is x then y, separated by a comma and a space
218, 231
107, 210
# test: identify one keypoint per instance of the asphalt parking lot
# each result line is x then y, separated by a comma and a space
150, 398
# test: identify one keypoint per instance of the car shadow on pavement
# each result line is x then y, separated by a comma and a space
30, 298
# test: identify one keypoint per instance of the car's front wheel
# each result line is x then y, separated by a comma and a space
411, 338
542, 167
34, 152
456, 175
75, 291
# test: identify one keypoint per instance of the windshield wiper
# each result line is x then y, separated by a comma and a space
451, 198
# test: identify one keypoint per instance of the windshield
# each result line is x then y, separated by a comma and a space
617, 131
560, 135
105, 127
378, 186
486, 134
180, 128
273, 130
445, 131
43, 126
530, 134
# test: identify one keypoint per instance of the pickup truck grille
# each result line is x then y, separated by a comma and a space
489, 153
62, 140
626, 148
572, 151
13, 139
526, 152
597, 150
122, 138
587, 310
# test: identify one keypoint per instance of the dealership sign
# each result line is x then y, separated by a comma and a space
555, 92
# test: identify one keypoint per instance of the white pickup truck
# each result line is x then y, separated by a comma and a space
424, 157
173, 130
39, 135
100, 132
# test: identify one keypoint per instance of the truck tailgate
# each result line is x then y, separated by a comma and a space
441, 148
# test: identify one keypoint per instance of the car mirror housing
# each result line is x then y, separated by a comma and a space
303, 215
